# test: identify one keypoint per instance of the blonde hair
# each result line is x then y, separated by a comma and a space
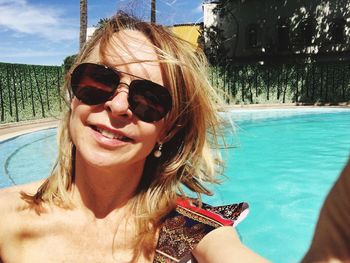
190, 156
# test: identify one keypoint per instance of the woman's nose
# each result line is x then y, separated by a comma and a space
119, 105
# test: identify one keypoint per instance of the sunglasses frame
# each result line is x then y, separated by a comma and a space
139, 86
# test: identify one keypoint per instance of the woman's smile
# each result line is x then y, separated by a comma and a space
111, 133
109, 137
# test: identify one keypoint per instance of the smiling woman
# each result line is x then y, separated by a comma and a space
135, 133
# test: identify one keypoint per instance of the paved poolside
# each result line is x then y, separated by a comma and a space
10, 130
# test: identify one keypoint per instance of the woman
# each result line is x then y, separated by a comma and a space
136, 130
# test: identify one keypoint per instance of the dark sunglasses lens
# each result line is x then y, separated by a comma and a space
93, 84
149, 101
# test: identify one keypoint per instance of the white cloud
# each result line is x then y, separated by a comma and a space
22, 17
39, 55
170, 3
24, 54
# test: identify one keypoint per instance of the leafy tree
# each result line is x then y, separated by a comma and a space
68, 62
102, 22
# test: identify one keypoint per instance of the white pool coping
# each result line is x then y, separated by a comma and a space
10, 130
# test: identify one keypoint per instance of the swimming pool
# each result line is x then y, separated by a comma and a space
283, 162
27, 158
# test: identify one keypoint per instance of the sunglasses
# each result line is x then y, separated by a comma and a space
94, 84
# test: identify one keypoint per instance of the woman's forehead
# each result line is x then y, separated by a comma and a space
129, 50
126, 47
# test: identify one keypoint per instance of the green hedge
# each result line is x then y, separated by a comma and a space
308, 83
30, 92
33, 92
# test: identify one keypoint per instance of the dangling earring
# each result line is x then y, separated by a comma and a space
158, 153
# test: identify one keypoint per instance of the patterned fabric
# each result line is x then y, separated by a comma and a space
185, 227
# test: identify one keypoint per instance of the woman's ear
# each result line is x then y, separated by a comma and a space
162, 134
73, 103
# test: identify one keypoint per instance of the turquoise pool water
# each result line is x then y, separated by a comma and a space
284, 165
27, 158
283, 162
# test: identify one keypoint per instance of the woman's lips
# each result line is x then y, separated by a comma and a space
112, 135
108, 136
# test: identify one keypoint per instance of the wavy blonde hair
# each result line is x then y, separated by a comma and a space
190, 155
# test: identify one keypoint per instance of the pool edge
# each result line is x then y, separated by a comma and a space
13, 131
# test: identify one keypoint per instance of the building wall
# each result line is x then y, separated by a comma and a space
188, 32
89, 32
209, 18
281, 27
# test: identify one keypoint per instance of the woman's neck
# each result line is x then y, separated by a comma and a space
103, 190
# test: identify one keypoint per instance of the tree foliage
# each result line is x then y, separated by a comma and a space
312, 68
303, 27
102, 22
68, 62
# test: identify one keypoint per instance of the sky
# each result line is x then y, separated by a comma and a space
44, 32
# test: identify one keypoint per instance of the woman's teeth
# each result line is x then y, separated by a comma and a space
111, 135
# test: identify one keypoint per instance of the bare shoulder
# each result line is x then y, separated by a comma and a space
11, 201
30, 188
11, 207
222, 244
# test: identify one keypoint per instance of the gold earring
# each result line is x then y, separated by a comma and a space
158, 153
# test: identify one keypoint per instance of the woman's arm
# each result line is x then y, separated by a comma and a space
331, 241
222, 245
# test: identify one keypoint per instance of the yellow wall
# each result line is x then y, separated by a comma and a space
188, 32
